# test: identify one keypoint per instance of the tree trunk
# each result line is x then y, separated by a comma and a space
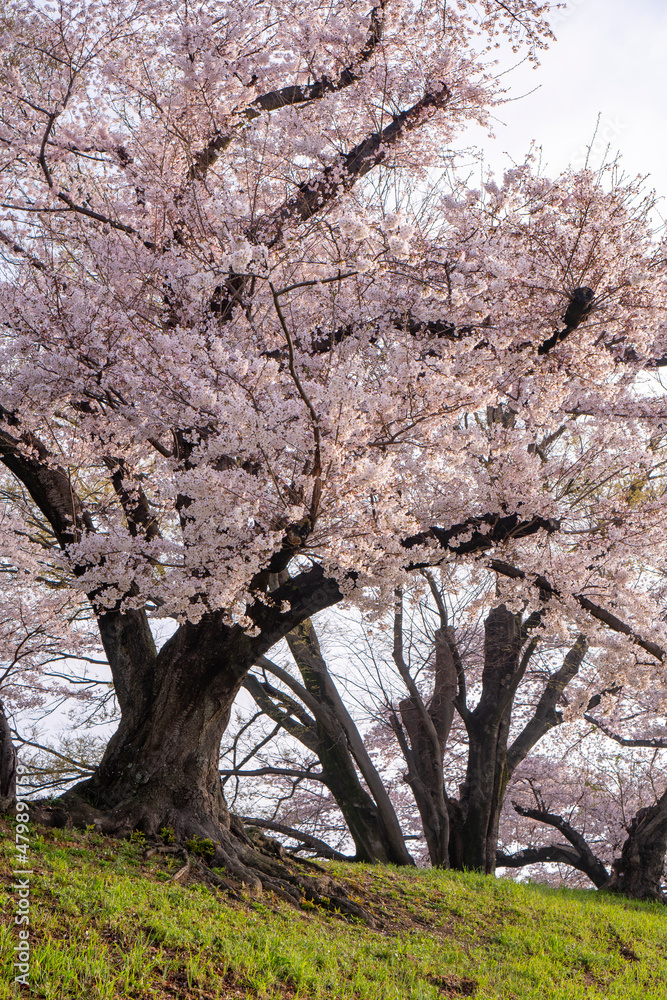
639, 872
428, 729
371, 818
320, 730
360, 812
477, 814
161, 767
7, 764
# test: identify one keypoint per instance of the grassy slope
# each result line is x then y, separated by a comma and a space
107, 924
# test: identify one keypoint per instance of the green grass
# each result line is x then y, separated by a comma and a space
105, 925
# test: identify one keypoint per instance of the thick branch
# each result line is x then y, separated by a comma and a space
600, 614
579, 307
559, 854
589, 863
303, 733
47, 483
656, 743
289, 97
336, 724
283, 772
545, 716
315, 194
133, 501
484, 531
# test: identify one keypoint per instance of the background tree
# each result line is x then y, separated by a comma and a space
608, 803
508, 695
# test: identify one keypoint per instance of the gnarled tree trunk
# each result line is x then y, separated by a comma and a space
371, 817
639, 872
161, 767
475, 816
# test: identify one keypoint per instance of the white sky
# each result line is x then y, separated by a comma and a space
610, 58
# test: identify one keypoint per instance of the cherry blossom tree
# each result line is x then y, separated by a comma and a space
246, 327
311, 710
36, 676
603, 792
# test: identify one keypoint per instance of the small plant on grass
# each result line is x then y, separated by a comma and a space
204, 848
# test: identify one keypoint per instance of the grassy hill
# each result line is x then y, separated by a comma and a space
109, 924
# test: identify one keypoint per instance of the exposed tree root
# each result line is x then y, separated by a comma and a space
234, 859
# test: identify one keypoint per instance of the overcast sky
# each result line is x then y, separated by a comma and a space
610, 58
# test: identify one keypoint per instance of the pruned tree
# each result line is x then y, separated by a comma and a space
229, 350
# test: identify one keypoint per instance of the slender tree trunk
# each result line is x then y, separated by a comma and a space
428, 728
360, 812
7, 764
639, 872
371, 818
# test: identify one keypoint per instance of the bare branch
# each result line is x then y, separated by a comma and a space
309, 842
588, 862
654, 743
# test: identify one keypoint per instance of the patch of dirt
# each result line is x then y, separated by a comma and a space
454, 986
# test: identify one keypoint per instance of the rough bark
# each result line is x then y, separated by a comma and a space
477, 813
639, 872
7, 764
160, 769
560, 854
475, 817
428, 728
322, 735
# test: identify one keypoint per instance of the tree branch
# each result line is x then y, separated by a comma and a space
289, 97
588, 862
600, 614
559, 854
312, 843
545, 716
500, 528
655, 743
315, 194
280, 771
